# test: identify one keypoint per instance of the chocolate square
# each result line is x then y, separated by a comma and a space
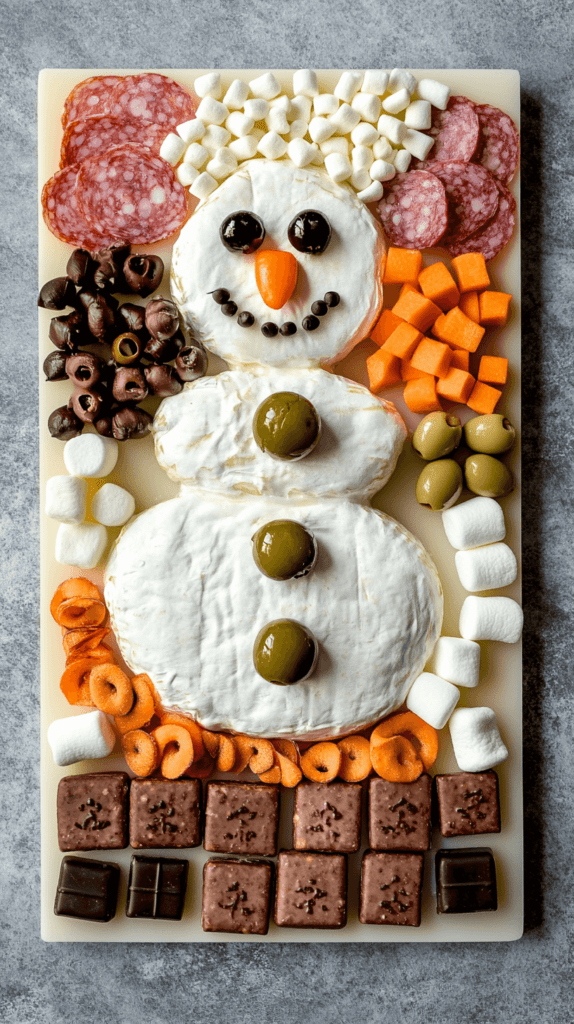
236, 896
400, 814
327, 817
391, 888
165, 813
157, 887
87, 889
465, 881
92, 811
468, 803
311, 890
241, 817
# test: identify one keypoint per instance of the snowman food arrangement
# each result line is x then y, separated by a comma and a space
269, 598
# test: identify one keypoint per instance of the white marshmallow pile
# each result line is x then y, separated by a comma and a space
457, 660
384, 112
491, 618
433, 699
476, 739
81, 737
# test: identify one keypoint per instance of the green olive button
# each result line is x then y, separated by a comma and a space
286, 426
490, 435
285, 652
284, 550
436, 435
439, 485
487, 476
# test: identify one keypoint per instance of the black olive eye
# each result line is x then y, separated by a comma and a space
242, 232
310, 232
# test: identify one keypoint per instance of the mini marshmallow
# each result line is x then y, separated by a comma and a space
391, 158
186, 174
401, 160
318, 158
345, 119
90, 455
375, 82
305, 83
236, 95
476, 739
372, 193
257, 109
203, 185
418, 144
208, 85
381, 170
265, 87
336, 144
298, 129
418, 115
369, 106
338, 166
245, 148
66, 498
282, 103
360, 179
215, 137
326, 103
361, 158
491, 618
320, 129
196, 155
349, 83
457, 660
113, 505
276, 121
222, 165
382, 150
272, 146
239, 124
397, 101
301, 108
191, 131
393, 129
475, 523
81, 738
433, 699
172, 149
364, 134
211, 111
435, 92
487, 568
300, 152
81, 544
401, 79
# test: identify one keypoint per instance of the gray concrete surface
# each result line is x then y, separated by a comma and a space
518, 983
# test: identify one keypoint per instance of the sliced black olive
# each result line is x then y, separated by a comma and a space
131, 423
129, 385
57, 294
242, 232
130, 317
54, 366
162, 318
80, 266
84, 369
69, 331
309, 232
162, 351
191, 362
143, 274
162, 381
88, 404
64, 424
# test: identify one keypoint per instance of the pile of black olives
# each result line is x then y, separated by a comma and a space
476, 465
139, 343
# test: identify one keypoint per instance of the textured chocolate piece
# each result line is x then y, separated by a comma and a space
465, 881
165, 814
391, 888
327, 817
311, 890
468, 803
241, 817
400, 814
87, 889
236, 896
93, 811
157, 887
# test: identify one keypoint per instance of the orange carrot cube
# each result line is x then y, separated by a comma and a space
458, 330
438, 284
408, 372
432, 357
407, 287
493, 308
403, 341
416, 310
460, 359
402, 265
493, 370
483, 399
420, 396
385, 326
471, 272
456, 386
383, 370
469, 305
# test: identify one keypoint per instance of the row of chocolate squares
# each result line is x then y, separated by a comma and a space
311, 890
100, 811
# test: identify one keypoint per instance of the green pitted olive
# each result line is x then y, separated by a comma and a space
284, 550
437, 435
487, 476
285, 652
490, 435
286, 426
439, 484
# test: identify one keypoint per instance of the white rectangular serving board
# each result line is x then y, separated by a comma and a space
501, 667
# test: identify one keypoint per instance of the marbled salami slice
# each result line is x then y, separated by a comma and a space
83, 139
494, 235
499, 146
131, 193
63, 215
152, 97
413, 210
456, 131
472, 196
90, 97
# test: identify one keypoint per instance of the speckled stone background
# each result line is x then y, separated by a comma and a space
517, 983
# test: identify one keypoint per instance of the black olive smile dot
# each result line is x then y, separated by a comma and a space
310, 323
220, 295
287, 329
246, 319
269, 330
332, 299
319, 308
229, 308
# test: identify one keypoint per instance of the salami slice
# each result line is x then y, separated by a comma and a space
414, 210
63, 215
499, 146
131, 193
456, 131
472, 196
152, 97
83, 139
90, 97
494, 235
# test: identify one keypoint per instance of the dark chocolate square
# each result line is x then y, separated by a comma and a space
157, 887
465, 881
241, 817
236, 896
391, 888
87, 889
311, 890
93, 811
468, 803
327, 817
400, 814
165, 813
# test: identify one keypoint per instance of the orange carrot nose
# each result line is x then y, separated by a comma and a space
276, 276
